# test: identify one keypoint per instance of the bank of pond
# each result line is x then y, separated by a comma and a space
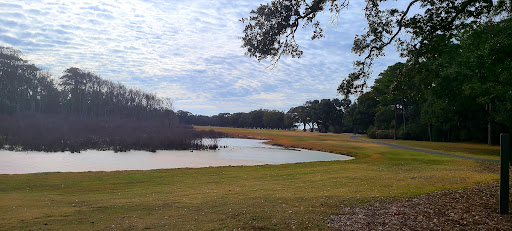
231, 152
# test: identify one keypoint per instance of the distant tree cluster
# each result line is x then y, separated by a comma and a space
327, 115
262, 118
100, 112
459, 91
324, 115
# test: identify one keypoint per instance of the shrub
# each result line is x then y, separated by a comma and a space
414, 131
371, 132
384, 134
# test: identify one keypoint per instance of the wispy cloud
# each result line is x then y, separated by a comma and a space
188, 51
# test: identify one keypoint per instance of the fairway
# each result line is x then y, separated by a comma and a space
268, 197
478, 152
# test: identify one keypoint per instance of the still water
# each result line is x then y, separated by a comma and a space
236, 152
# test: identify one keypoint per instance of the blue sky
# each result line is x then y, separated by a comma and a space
188, 51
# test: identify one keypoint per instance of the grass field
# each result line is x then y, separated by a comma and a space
269, 197
463, 149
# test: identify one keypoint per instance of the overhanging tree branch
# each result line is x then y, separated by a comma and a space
270, 30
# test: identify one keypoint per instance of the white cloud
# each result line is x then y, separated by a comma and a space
185, 50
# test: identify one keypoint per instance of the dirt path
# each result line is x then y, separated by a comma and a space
358, 137
474, 208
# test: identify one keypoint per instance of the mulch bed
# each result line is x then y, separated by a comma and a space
473, 208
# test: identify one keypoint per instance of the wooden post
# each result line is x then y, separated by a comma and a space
489, 128
394, 134
504, 173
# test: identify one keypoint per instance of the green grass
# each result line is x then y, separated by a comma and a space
463, 149
269, 197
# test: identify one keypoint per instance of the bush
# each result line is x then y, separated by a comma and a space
414, 131
384, 134
371, 132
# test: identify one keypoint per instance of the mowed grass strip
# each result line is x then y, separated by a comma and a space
269, 197
463, 149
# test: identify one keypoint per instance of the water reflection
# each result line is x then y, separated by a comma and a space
236, 152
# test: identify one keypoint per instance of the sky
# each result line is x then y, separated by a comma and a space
187, 51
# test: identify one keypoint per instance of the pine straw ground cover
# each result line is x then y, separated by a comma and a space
472, 208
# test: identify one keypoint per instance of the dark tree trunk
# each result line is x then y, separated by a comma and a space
444, 128
489, 133
430, 132
403, 111
396, 120
449, 130
489, 128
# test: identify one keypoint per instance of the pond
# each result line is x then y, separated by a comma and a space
233, 152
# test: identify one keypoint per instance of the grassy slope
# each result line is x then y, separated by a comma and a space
464, 149
268, 197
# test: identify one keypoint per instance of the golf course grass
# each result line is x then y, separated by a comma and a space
268, 197
462, 149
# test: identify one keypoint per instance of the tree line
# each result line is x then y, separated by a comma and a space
326, 115
262, 118
26, 88
81, 110
459, 90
